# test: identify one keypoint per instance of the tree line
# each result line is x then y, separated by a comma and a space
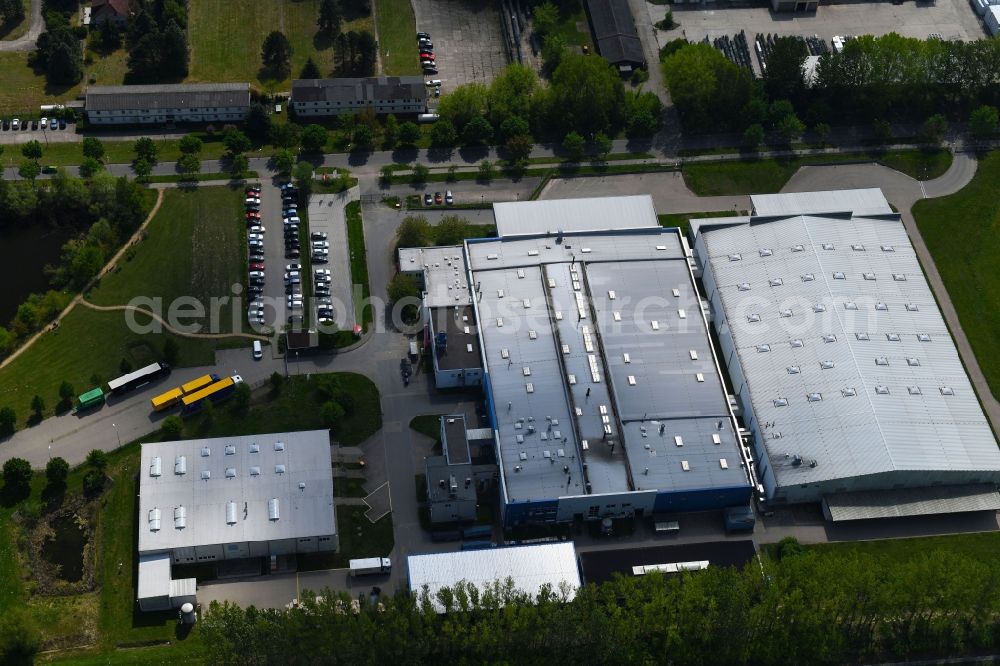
106, 209
817, 606
11, 12
872, 80
156, 39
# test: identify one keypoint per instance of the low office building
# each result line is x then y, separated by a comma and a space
601, 382
530, 568
451, 487
848, 378
255, 496
382, 94
162, 104
615, 33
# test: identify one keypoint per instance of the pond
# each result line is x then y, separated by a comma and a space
23, 255
66, 547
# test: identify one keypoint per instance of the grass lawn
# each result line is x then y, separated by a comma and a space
359, 263
397, 37
87, 344
348, 487
115, 152
962, 232
24, 90
758, 176
983, 547
359, 537
572, 24
427, 424
226, 36
192, 248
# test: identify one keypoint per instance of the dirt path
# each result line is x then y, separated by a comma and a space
79, 297
205, 336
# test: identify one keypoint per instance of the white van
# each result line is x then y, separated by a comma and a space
258, 350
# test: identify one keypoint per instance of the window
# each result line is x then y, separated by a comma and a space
763, 348
753, 318
892, 337
735, 256
828, 246
947, 390
850, 305
766, 252
899, 277
881, 307
775, 282
829, 337
819, 307
888, 248
882, 390
868, 276
848, 392
785, 313
912, 361
781, 402
881, 360
795, 344
839, 275
793, 369
913, 390
858, 248
923, 337
814, 397
797, 248
861, 336
808, 277
826, 365
743, 286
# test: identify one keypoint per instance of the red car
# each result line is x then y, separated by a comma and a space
256, 265
253, 191
426, 56
253, 214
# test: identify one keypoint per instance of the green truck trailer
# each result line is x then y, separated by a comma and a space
91, 398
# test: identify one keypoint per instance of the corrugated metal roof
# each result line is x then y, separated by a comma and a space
527, 218
911, 502
168, 96
869, 201
846, 355
529, 567
615, 31
255, 459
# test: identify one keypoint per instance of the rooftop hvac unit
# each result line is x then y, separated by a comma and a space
272, 509
180, 465
155, 466
231, 513
180, 518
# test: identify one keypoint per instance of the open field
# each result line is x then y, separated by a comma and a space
758, 176
23, 89
226, 36
961, 232
397, 37
194, 247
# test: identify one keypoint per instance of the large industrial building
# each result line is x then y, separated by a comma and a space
848, 379
602, 386
208, 500
528, 568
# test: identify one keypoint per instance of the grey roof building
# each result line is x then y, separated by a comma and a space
600, 376
165, 103
451, 488
850, 382
615, 34
383, 94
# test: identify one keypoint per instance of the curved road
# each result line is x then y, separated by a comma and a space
26, 42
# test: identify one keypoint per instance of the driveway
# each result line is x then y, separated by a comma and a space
326, 215
26, 42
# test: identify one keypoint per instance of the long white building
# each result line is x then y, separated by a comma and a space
848, 378
383, 94
168, 103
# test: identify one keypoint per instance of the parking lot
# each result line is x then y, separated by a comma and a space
326, 216
952, 19
467, 37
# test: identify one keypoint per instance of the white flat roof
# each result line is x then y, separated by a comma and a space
528, 218
445, 279
246, 489
154, 576
529, 567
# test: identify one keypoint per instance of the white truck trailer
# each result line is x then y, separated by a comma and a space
370, 565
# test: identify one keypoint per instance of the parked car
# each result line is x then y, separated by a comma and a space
34, 124
433, 82
253, 190
49, 168
256, 228
320, 259
15, 124
430, 70
423, 35
428, 199
437, 198
44, 122
425, 44
291, 253
62, 123
255, 237
252, 201
253, 242
293, 267
437, 91
253, 214
53, 123
448, 198
256, 265
318, 235
426, 55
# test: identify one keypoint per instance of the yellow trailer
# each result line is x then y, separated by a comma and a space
167, 400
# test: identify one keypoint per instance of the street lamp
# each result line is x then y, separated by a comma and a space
117, 434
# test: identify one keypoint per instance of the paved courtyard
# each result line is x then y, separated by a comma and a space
467, 37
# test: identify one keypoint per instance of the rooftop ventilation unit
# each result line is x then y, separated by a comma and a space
230, 513
180, 465
272, 509
155, 467
279, 446
205, 452
230, 450
154, 520
180, 518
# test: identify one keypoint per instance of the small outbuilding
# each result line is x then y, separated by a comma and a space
615, 33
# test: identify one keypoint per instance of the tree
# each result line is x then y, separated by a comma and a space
235, 141
983, 121
451, 230
753, 136
314, 138
239, 165
668, 22
784, 78
402, 286
419, 174
20, 637
709, 91
390, 133
277, 380
8, 421
385, 174
443, 133
512, 126
934, 129
602, 145
330, 18
93, 482
463, 104
89, 167
310, 70
145, 149
545, 18
276, 53
142, 167
173, 54
38, 406
189, 164
241, 398
29, 169
56, 471
66, 393
574, 145
283, 160
478, 131
97, 459
331, 413
414, 231
486, 171
258, 123
520, 146
32, 150
59, 54
642, 113
364, 137
93, 147
189, 144
553, 50
409, 133
303, 174
172, 427
822, 131
510, 94
589, 94
790, 128
17, 478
